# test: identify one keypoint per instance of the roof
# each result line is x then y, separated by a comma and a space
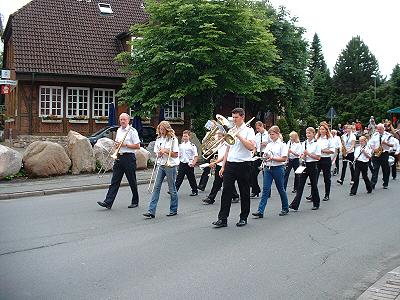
71, 36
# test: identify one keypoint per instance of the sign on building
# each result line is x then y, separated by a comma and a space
5, 74
5, 89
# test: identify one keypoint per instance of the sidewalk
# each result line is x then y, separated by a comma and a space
19, 188
388, 287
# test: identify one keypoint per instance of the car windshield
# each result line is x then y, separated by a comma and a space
100, 131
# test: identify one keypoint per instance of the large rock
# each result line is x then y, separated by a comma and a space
102, 151
194, 139
10, 161
43, 159
142, 156
150, 148
80, 152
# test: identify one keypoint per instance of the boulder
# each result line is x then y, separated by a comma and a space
150, 148
142, 156
80, 152
102, 151
196, 141
43, 159
10, 161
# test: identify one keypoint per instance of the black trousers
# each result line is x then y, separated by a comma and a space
310, 172
204, 178
125, 164
360, 167
324, 164
349, 157
377, 162
255, 188
217, 184
337, 160
292, 164
239, 171
185, 169
394, 171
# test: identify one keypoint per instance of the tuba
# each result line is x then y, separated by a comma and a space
211, 143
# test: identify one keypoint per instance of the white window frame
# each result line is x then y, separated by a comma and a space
68, 101
105, 8
240, 101
105, 105
51, 100
172, 111
132, 39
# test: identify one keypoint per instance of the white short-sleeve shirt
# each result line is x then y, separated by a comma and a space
312, 147
238, 152
262, 138
131, 138
348, 139
187, 152
326, 143
358, 155
276, 149
167, 143
295, 147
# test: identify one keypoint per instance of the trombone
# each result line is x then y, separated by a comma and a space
114, 156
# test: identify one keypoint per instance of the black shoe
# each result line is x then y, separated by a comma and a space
133, 205
149, 215
315, 208
326, 198
219, 224
294, 192
308, 183
373, 186
171, 214
208, 201
253, 195
291, 207
352, 194
369, 192
283, 212
103, 204
309, 197
241, 223
168, 192
394, 178
385, 187
194, 194
340, 181
235, 200
258, 215
201, 188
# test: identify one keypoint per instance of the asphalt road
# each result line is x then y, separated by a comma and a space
67, 247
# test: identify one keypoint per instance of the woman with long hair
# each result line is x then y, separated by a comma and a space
166, 149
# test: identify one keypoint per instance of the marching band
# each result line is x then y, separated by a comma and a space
234, 153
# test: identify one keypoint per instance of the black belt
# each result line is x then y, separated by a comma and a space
126, 153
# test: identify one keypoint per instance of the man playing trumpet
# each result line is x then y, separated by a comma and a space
127, 140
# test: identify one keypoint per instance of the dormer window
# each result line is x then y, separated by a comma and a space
105, 8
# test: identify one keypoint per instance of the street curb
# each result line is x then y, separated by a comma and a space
71, 189
388, 287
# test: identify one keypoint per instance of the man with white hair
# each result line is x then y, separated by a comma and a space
128, 140
380, 143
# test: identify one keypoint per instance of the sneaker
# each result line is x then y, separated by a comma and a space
235, 200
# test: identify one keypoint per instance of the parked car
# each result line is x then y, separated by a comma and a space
147, 134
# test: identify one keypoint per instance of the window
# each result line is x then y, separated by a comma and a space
101, 102
50, 101
135, 52
173, 110
77, 102
105, 8
240, 101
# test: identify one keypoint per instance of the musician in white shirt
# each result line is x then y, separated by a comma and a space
262, 139
349, 140
274, 170
294, 151
335, 157
362, 155
383, 139
325, 141
236, 166
188, 159
125, 163
394, 151
166, 148
216, 165
311, 154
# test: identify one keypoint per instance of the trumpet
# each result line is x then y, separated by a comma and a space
113, 156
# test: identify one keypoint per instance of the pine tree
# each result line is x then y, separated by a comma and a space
316, 58
395, 87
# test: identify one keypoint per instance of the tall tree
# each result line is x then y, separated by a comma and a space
292, 49
395, 87
354, 68
198, 50
316, 58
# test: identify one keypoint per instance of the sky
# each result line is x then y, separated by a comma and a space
335, 22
